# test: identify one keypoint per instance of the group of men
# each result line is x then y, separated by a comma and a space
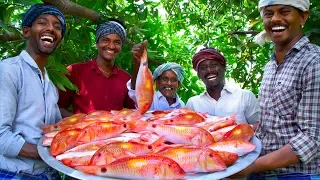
288, 109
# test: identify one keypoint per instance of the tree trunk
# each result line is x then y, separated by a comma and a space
66, 7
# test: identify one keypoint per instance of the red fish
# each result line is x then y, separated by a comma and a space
63, 141
242, 132
195, 159
188, 118
144, 85
99, 131
175, 134
140, 167
65, 122
235, 146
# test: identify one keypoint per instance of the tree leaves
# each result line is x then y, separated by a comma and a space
174, 29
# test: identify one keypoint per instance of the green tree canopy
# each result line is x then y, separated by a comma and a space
175, 30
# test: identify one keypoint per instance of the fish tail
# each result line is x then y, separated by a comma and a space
144, 58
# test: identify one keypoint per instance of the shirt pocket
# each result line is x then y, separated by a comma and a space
283, 102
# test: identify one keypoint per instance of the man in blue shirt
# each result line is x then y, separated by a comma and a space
28, 97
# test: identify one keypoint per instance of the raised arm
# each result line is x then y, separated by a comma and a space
136, 56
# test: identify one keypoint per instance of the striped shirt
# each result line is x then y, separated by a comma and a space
290, 107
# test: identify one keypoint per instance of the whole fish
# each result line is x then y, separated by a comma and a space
242, 132
175, 134
144, 85
189, 118
99, 131
65, 122
235, 146
99, 115
195, 159
122, 149
63, 141
140, 167
79, 125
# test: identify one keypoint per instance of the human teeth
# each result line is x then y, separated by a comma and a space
278, 28
47, 38
212, 76
168, 88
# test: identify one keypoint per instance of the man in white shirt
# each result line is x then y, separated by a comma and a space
220, 99
168, 78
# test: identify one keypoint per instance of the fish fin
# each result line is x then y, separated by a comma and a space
88, 169
137, 125
158, 142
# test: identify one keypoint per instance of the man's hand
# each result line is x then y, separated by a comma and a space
244, 173
137, 51
29, 151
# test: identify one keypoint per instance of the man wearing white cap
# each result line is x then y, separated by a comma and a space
289, 97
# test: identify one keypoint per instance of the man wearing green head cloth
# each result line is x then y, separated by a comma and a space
168, 78
289, 97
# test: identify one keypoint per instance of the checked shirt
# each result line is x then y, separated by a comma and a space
290, 107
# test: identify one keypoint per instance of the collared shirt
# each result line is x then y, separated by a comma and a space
233, 100
28, 101
290, 106
95, 90
159, 102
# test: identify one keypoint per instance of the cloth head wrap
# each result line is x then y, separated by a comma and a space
38, 9
207, 54
303, 5
111, 27
176, 68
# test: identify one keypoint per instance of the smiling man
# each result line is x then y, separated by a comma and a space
28, 97
289, 97
220, 99
101, 84
168, 78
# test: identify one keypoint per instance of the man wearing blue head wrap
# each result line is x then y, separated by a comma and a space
168, 78
101, 84
28, 97
289, 97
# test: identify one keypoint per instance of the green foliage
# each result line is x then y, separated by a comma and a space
174, 30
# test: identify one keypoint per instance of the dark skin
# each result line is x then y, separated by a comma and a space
44, 26
167, 83
136, 52
212, 74
109, 47
291, 20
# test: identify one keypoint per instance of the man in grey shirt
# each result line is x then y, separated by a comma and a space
28, 97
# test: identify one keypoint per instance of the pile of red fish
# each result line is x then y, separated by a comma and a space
157, 145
